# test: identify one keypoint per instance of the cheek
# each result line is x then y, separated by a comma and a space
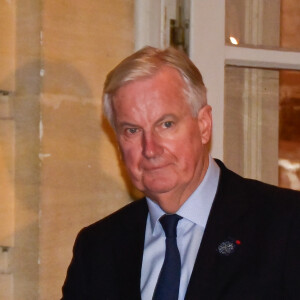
189, 154
131, 157
187, 143
187, 159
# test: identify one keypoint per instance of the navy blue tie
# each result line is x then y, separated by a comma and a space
167, 286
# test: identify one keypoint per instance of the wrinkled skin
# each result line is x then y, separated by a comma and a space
163, 145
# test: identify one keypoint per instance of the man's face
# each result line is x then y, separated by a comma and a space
162, 143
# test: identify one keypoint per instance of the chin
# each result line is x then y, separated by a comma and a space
158, 186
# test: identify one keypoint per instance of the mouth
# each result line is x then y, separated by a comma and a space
154, 168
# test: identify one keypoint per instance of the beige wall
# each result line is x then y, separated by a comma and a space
57, 160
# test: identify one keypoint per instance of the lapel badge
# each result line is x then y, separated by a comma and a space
228, 247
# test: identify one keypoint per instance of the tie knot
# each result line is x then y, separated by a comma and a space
169, 224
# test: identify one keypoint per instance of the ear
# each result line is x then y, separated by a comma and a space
205, 123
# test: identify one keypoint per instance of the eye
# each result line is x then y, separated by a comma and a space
131, 131
167, 124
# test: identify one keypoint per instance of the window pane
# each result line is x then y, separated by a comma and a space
262, 121
263, 23
289, 130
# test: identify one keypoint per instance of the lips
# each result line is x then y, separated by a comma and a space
153, 168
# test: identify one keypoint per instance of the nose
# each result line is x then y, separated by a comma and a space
152, 146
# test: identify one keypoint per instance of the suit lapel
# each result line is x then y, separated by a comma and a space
212, 269
129, 252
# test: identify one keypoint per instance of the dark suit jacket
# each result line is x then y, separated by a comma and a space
266, 265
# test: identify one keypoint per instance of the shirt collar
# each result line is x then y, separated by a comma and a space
197, 207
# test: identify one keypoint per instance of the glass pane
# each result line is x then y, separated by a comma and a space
262, 121
289, 130
263, 23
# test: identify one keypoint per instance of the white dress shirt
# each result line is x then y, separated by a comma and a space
190, 229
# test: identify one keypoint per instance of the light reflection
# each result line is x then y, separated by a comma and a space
233, 40
290, 172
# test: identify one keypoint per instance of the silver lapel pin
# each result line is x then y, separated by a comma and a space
228, 247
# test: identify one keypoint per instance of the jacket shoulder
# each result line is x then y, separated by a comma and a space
123, 220
256, 191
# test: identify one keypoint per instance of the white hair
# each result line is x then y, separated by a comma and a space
145, 63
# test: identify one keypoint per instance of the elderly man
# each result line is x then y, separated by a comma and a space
201, 232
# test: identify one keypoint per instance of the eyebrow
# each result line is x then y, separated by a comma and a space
166, 117
126, 124
161, 119
122, 125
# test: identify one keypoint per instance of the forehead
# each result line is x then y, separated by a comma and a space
165, 76
164, 88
